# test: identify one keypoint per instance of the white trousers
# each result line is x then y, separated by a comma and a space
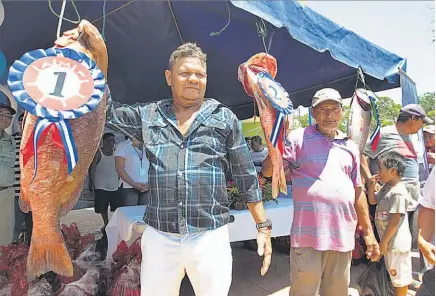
206, 257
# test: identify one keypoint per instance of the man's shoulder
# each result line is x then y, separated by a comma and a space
302, 133
220, 109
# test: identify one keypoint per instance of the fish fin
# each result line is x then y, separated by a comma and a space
69, 204
275, 187
283, 187
24, 204
48, 254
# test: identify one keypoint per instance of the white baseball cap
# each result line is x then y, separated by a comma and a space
326, 94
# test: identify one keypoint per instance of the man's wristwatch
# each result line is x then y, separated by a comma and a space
266, 224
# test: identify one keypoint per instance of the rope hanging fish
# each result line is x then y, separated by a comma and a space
56, 85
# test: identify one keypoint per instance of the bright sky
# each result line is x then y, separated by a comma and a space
402, 27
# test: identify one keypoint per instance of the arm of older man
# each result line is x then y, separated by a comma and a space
362, 211
245, 176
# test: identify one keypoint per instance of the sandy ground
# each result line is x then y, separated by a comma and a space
246, 264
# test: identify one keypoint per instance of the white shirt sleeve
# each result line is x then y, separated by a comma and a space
427, 199
121, 150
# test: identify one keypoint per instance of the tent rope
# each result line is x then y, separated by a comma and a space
228, 22
175, 21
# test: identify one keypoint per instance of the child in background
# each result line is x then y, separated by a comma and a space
391, 220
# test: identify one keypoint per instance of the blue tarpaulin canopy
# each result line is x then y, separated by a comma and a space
312, 52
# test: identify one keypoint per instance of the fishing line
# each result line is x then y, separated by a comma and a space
64, 18
228, 22
103, 29
262, 31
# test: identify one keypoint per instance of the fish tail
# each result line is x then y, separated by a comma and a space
48, 254
275, 185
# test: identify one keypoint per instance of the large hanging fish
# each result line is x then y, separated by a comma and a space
257, 76
363, 107
51, 183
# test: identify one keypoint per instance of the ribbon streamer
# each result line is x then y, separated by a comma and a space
278, 124
375, 136
60, 130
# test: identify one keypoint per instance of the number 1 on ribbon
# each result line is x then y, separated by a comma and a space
59, 84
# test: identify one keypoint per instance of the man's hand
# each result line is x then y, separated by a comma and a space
264, 248
427, 249
91, 39
431, 157
141, 187
373, 182
372, 247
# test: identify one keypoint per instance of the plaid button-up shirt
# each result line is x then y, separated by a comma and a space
187, 174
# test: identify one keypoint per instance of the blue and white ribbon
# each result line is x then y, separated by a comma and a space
279, 99
278, 124
376, 133
66, 135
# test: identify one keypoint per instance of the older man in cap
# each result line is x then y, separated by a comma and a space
7, 173
397, 138
328, 202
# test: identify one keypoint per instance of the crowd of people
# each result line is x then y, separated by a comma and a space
175, 160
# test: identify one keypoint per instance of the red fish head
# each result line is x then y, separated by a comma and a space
261, 62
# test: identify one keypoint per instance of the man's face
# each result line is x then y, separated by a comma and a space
187, 80
109, 142
328, 115
256, 146
429, 140
386, 174
5, 118
415, 124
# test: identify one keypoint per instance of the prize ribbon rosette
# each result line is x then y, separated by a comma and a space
375, 136
279, 99
56, 85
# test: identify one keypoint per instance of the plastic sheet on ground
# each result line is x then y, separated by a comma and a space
86, 286
128, 281
6, 290
40, 288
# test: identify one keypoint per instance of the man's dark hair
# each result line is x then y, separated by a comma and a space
393, 160
187, 50
403, 118
108, 135
256, 139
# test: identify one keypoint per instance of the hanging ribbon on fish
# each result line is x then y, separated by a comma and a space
375, 136
56, 85
279, 99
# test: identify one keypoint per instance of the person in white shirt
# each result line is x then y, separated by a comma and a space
132, 166
426, 226
258, 152
104, 178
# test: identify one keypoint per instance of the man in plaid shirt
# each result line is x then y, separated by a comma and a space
191, 143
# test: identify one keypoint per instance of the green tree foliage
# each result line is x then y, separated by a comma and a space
428, 103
